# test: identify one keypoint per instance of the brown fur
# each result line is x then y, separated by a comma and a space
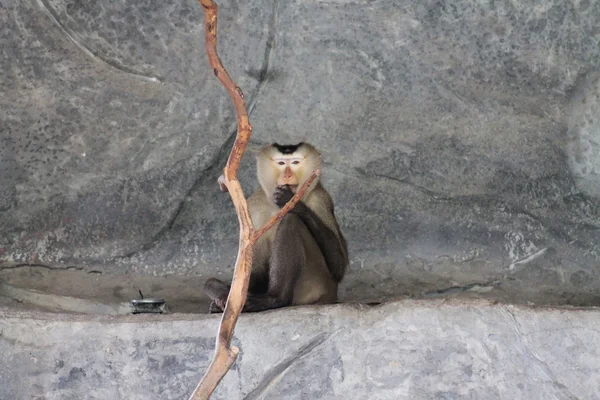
290, 264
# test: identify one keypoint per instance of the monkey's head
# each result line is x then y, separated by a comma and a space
279, 165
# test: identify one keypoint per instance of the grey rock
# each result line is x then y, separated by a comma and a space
460, 140
427, 349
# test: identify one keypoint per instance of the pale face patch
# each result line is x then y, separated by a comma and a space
289, 167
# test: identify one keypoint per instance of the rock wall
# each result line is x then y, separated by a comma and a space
461, 140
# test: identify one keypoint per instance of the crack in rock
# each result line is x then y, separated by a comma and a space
528, 259
218, 159
269, 53
279, 370
50, 267
473, 287
94, 55
537, 359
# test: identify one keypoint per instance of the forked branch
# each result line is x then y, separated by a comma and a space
225, 355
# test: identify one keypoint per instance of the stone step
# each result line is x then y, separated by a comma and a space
410, 349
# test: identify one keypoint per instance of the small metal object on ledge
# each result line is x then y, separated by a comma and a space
149, 306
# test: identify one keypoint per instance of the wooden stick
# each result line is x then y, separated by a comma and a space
225, 355
244, 128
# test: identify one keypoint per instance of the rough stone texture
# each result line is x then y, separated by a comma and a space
461, 140
406, 350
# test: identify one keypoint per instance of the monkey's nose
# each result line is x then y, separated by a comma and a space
287, 178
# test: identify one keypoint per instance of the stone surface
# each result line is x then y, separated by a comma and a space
403, 350
460, 140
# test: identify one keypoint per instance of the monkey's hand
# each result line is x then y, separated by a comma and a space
282, 195
222, 184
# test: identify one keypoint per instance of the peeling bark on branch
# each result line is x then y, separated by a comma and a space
225, 355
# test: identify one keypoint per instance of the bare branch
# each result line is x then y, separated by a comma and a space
287, 208
222, 361
225, 355
244, 128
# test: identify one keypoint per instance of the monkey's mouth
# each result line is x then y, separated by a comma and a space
293, 188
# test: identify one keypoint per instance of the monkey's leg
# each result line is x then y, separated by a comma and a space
218, 290
215, 288
287, 259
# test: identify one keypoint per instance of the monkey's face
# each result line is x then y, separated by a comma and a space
290, 165
288, 168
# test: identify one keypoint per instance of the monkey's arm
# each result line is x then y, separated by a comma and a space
332, 244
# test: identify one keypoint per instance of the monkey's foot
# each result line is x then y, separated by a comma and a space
216, 306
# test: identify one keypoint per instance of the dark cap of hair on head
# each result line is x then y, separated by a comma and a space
287, 148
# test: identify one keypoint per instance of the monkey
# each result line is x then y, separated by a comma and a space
303, 257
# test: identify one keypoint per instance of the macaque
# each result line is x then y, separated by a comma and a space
302, 258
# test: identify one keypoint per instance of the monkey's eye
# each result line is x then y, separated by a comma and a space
296, 162
281, 163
